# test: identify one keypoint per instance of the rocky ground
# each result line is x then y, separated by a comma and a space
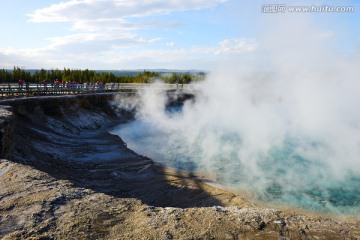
68, 178
35, 205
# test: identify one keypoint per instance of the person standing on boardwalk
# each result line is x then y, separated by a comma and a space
21, 83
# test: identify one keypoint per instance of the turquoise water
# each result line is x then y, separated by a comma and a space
284, 174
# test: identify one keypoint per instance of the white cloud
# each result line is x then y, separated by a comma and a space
103, 25
119, 39
75, 10
184, 58
170, 44
118, 24
30, 58
237, 45
160, 24
102, 51
105, 35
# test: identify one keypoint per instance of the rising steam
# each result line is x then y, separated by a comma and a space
286, 126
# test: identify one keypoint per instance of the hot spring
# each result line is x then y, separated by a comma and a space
283, 147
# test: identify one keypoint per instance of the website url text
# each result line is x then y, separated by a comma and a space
282, 8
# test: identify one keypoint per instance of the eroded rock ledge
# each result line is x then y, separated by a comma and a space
66, 177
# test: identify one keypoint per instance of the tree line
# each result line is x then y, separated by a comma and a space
92, 76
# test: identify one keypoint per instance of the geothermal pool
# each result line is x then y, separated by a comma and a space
289, 173
292, 140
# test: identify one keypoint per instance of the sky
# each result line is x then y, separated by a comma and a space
156, 34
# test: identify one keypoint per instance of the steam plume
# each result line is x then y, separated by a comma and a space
286, 126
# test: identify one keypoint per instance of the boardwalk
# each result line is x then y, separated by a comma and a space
12, 90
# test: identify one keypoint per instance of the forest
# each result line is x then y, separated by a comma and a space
93, 76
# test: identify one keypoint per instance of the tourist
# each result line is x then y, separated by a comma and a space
21, 83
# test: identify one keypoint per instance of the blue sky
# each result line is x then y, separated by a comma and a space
173, 34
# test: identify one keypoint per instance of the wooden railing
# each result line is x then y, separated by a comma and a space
11, 90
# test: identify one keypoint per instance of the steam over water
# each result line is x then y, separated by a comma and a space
286, 126
256, 146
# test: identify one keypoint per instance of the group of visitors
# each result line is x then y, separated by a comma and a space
73, 85
56, 84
